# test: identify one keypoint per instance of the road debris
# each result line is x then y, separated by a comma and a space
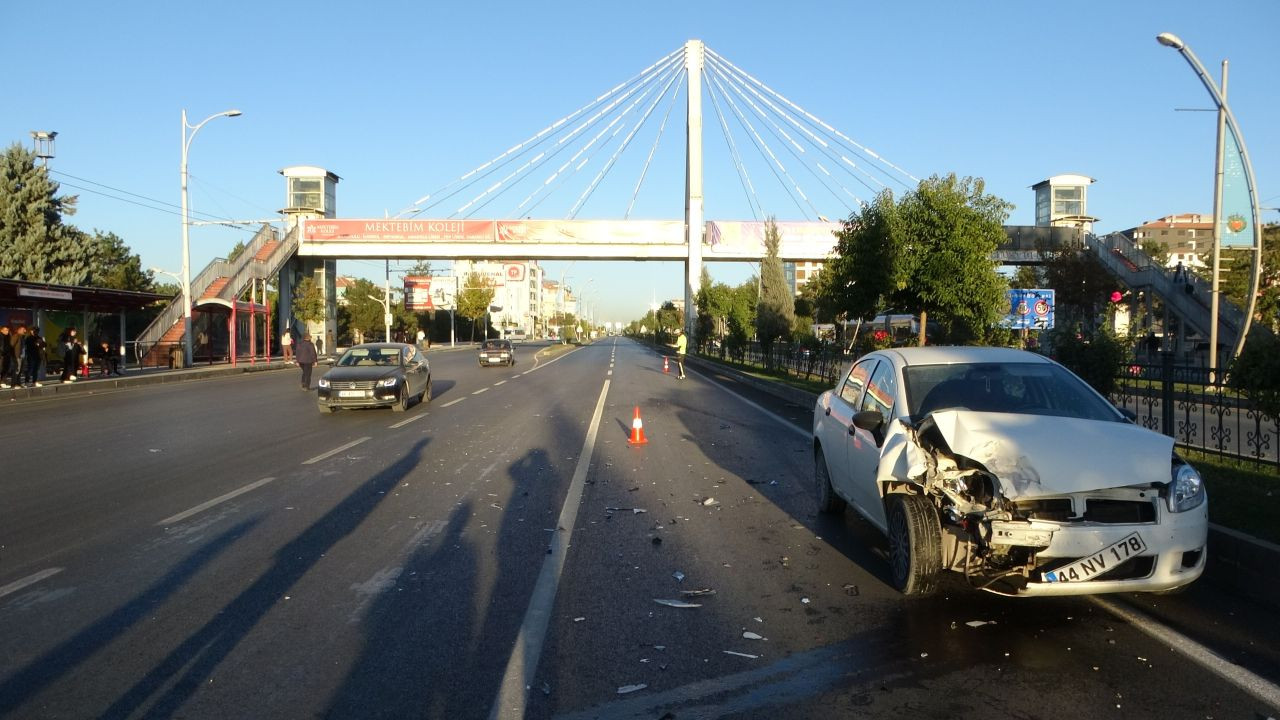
710, 502
751, 636
657, 540
739, 654
679, 576
700, 592
677, 603
579, 619
759, 620
633, 511
851, 590
980, 623
631, 688
546, 688
804, 600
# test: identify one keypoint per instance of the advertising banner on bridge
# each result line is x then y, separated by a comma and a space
417, 293
394, 231
591, 232
800, 240
1030, 309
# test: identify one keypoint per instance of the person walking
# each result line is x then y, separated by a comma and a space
286, 345
306, 356
682, 345
8, 357
33, 348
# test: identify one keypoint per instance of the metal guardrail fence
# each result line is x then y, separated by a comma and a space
1179, 401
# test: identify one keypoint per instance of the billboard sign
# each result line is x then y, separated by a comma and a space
1030, 309
417, 293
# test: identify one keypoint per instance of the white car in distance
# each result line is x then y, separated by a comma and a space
1006, 467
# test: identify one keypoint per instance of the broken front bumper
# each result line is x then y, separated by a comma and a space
1174, 555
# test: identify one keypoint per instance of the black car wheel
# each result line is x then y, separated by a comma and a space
828, 500
915, 550
402, 401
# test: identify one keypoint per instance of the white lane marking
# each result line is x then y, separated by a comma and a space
523, 663
385, 579
536, 366
781, 420
480, 391
609, 373
415, 418
503, 382
17, 585
453, 402
334, 451
1253, 684
206, 505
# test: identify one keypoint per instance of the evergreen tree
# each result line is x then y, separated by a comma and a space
34, 244
114, 267
308, 301
775, 313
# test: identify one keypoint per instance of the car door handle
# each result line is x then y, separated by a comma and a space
827, 411
853, 429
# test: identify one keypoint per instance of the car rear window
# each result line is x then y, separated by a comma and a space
496, 345
1024, 388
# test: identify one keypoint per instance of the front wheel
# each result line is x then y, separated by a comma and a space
915, 548
402, 402
828, 500
326, 409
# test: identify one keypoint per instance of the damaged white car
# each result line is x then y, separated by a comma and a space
1004, 466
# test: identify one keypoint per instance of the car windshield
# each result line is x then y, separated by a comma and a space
496, 345
362, 357
1025, 388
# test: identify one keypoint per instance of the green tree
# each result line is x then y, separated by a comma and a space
1082, 286
775, 312
114, 266
1235, 278
1156, 250
1027, 277
34, 244
308, 301
236, 250
421, 267
362, 311
475, 298
929, 254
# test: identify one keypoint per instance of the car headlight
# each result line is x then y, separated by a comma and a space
1187, 490
324, 382
388, 382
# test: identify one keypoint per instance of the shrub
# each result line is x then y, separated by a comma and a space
1096, 358
1257, 372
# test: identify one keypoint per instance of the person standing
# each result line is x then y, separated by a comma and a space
286, 345
8, 357
20, 356
306, 356
34, 347
70, 346
682, 345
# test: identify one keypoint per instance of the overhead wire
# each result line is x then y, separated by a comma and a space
414, 208
626, 142
792, 146
744, 177
644, 171
175, 211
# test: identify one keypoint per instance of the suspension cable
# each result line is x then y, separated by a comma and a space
744, 178
654, 148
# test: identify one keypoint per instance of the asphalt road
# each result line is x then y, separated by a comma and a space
220, 549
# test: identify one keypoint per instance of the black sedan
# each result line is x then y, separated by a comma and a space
497, 352
376, 375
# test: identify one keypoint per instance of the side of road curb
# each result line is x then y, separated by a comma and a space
1237, 562
138, 378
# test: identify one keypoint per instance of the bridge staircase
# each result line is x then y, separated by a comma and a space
1188, 299
261, 259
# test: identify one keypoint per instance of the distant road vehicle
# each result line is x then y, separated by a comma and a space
1004, 466
497, 352
517, 335
376, 375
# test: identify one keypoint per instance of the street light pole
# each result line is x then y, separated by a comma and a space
1225, 116
186, 227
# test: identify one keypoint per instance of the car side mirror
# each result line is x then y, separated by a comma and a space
1128, 414
869, 420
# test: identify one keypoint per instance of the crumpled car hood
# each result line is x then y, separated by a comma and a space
1037, 455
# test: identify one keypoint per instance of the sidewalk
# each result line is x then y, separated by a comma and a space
1237, 562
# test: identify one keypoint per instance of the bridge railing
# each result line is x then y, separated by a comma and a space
172, 312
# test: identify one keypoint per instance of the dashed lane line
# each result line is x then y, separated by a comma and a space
334, 451
206, 505
453, 402
500, 382
27, 581
481, 390
406, 421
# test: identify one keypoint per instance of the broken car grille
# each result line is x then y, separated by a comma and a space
1098, 510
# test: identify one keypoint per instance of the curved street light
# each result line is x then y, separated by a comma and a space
1226, 120
186, 227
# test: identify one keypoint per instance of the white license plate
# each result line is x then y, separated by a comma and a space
497, 360
1090, 567
353, 393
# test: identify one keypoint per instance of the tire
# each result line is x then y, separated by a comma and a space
326, 409
828, 501
402, 402
915, 548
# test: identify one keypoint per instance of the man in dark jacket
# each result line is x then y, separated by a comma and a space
8, 356
305, 353
34, 349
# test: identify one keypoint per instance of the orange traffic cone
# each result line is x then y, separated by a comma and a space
666, 366
637, 429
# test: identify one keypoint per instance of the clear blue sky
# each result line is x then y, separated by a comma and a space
400, 98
